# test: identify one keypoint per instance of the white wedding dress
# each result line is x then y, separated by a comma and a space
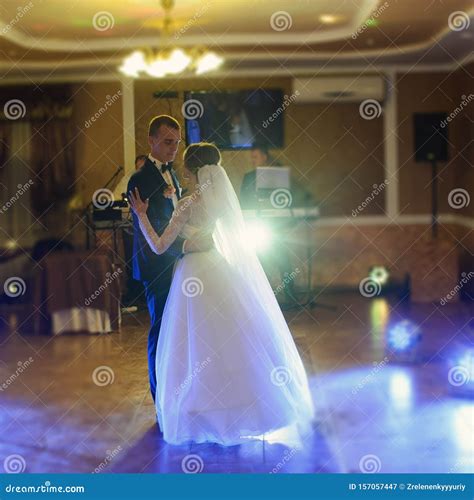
227, 367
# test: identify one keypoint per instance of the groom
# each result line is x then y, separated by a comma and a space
157, 181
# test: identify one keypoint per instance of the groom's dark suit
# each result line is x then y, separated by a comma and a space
155, 271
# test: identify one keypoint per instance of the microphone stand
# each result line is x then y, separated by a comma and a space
86, 211
434, 199
310, 293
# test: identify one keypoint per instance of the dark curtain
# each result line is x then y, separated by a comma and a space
52, 153
5, 139
49, 109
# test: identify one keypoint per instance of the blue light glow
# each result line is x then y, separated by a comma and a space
403, 336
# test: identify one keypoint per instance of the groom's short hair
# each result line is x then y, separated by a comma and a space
158, 121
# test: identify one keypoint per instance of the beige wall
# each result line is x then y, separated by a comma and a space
146, 107
334, 153
338, 156
99, 148
464, 173
465, 119
433, 92
423, 93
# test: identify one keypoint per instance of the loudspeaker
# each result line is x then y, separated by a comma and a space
431, 137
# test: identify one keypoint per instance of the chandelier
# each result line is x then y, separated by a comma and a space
170, 60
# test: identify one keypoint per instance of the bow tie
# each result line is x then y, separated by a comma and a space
165, 167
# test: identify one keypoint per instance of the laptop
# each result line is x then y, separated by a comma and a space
268, 180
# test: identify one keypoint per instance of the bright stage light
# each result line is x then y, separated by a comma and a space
11, 244
379, 274
403, 340
258, 235
401, 389
461, 422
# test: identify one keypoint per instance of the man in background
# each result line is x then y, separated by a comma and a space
301, 197
140, 161
259, 157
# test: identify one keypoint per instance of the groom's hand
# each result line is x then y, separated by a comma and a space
199, 243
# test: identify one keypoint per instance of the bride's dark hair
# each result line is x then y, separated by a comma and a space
200, 154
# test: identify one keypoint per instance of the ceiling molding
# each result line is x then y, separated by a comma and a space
114, 76
43, 70
275, 39
468, 59
114, 62
227, 39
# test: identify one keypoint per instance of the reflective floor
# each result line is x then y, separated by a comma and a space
78, 403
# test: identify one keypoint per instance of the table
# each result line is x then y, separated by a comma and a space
77, 291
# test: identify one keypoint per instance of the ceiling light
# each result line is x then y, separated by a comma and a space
170, 60
329, 18
208, 62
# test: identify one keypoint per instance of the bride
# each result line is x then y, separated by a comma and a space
227, 367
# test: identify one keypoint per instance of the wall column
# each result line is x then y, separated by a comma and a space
128, 118
390, 129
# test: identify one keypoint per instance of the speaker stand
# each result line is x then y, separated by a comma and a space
434, 199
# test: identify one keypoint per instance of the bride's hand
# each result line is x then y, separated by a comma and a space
137, 204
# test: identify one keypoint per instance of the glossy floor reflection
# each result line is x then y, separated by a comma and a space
374, 413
